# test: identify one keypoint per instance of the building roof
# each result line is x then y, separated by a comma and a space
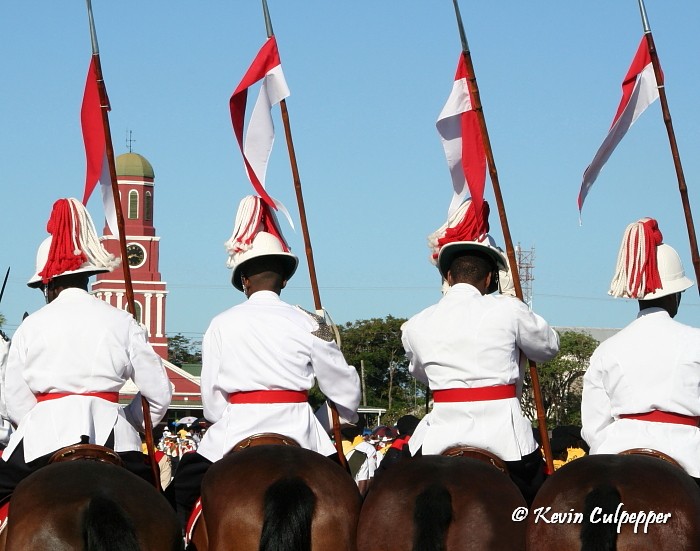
186, 390
133, 164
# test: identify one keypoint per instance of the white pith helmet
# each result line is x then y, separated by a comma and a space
647, 268
71, 225
673, 278
450, 250
42, 256
264, 244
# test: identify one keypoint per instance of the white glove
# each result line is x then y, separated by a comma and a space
505, 278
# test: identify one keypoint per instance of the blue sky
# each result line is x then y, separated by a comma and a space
368, 80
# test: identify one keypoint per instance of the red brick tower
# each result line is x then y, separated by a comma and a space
135, 179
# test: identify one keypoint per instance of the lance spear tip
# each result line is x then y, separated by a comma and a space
93, 34
460, 25
268, 21
645, 19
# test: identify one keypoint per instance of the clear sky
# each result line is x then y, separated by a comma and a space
368, 80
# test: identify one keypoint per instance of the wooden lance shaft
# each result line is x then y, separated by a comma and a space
682, 187
104, 103
476, 105
337, 436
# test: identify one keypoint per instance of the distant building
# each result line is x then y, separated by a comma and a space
135, 178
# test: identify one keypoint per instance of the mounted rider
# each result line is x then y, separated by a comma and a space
642, 387
68, 360
261, 358
468, 348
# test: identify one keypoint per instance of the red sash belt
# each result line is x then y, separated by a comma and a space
269, 397
109, 396
663, 417
476, 394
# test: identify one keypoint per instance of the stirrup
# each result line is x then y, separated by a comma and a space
91, 452
265, 439
473, 452
649, 452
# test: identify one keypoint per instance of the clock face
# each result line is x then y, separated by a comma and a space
135, 254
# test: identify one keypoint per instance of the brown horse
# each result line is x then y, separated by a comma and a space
89, 505
441, 503
616, 502
277, 497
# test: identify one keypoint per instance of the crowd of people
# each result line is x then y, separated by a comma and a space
68, 361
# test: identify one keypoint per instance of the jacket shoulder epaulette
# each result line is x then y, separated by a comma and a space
324, 331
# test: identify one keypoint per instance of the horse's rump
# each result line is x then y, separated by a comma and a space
589, 503
68, 505
441, 503
287, 490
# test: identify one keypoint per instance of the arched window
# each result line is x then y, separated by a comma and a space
148, 206
133, 204
138, 307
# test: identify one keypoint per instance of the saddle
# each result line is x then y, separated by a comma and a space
91, 452
265, 439
473, 452
651, 453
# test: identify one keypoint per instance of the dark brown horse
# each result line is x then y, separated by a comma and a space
88, 505
599, 502
277, 497
441, 503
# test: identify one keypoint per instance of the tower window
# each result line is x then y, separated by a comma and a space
133, 204
139, 311
148, 206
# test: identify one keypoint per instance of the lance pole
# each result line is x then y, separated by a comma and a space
104, 104
337, 436
4, 283
682, 187
510, 251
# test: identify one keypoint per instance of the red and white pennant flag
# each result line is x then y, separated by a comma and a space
458, 126
96, 149
257, 145
639, 91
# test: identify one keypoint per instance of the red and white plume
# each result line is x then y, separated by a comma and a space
257, 145
74, 241
465, 224
458, 126
639, 91
637, 271
253, 216
95, 140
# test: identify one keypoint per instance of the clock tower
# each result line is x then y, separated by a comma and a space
136, 190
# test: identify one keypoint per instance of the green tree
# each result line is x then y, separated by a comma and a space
374, 347
182, 350
561, 381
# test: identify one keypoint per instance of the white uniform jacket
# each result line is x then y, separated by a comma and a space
652, 364
267, 344
79, 344
469, 340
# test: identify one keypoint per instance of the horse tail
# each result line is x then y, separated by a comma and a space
432, 517
107, 527
288, 509
600, 536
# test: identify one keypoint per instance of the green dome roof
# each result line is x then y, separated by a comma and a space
133, 164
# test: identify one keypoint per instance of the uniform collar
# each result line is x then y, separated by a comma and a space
651, 311
70, 292
264, 296
464, 288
